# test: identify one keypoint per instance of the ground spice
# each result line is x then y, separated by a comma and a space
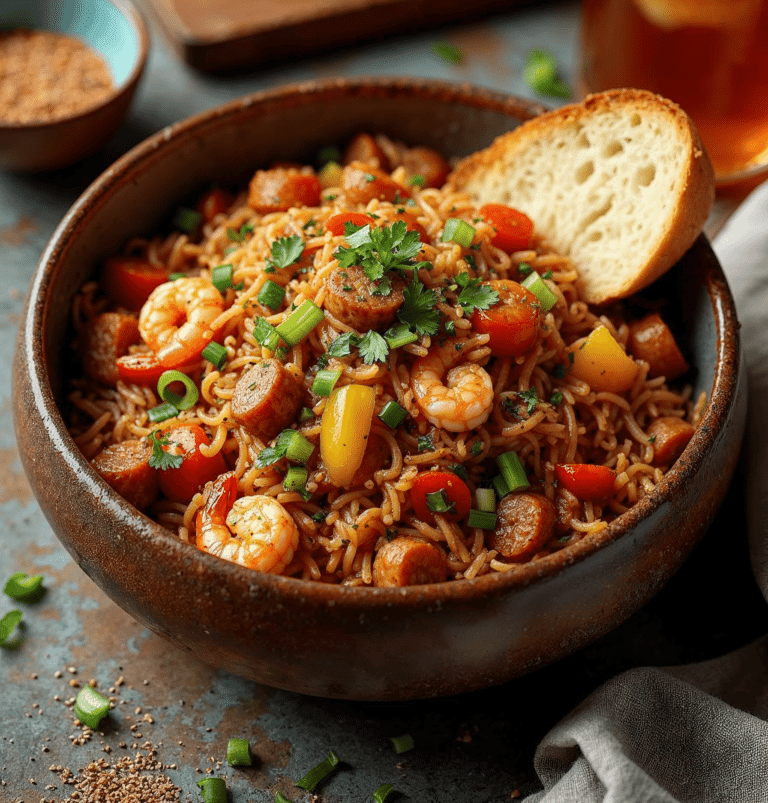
46, 75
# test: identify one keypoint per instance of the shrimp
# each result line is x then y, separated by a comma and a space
176, 318
463, 402
255, 531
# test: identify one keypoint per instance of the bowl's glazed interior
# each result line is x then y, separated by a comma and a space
354, 643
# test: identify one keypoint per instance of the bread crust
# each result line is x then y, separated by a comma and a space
503, 172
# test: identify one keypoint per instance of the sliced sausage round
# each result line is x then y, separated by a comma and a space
526, 521
409, 561
266, 398
105, 338
362, 183
427, 163
125, 466
650, 339
281, 188
351, 299
364, 148
670, 436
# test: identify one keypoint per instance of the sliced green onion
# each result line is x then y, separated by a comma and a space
299, 449
300, 322
8, 624
239, 753
24, 588
438, 502
541, 75
162, 412
91, 707
281, 798
486, 499
215, 353
537, 286
266, 334
180, 402
483, 519
512, 470
173, 276
458, 231
392, 414
459, 470
316, 774
448, 52
400, 335
381, 793
306, 414
271, 295
402, 743
296, 479
221, 277
325, 381
214, 790
500, 486
186, 220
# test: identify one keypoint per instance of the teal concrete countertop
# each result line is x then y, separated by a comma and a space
478, 747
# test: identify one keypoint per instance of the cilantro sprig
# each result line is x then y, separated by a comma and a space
372, 346
419, 310
379, 250
474, 294
161, 459
285, 251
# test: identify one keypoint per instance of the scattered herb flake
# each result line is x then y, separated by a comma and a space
418, 310
448, 52
161, 459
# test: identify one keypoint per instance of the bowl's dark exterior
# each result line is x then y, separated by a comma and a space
354, 643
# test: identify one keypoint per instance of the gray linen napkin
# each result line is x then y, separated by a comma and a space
695, 733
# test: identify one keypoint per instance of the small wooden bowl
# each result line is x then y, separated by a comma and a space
338, 641
113, 28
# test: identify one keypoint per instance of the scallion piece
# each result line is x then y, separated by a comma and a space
215, 353
381, 793
500, 486
271, 295
8, 624
402, 743
485, 499
325, 381
300, 322
166, 394
214, 790
186, 220
296, 479
162, 412
483, 519
512, 470
91, 707
438, 502
538, 287
266, 334
299, 449
281, 798
458, 231
239, 753
221, 277
400, 335
306, 414
173, 276
24, 588
316, 774
392, 414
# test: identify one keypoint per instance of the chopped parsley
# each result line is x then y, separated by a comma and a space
372, 346
556, 398
531, 399
418, 310
239, 235
558, 372
474, 294
285, 251
425, 443
161, 459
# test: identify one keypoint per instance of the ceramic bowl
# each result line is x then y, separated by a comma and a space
335, 641
114, 29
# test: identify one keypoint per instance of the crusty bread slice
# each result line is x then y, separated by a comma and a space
620, 183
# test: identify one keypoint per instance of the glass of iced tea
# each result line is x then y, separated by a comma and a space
709, 56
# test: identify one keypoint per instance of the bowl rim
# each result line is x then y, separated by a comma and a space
135, 18
721, 394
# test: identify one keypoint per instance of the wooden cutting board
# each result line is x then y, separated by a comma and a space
219, 35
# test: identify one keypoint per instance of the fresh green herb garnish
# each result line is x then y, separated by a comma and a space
474, 294
285, 251
418, 310
530, 397
541, 75
239, 235
425, 443
161, 459
556, 398
373, 348
448, 52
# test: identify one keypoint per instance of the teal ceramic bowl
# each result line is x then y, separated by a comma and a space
114, 29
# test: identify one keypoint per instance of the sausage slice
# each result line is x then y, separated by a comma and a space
105, 338
409, 561
125, 466
526, 521
650, 339
362, 183
351, 299
266, 398
670, 436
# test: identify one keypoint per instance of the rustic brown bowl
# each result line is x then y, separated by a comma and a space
113, 28
334, 641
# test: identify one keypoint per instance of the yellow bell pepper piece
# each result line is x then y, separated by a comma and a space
602, 363
344, 431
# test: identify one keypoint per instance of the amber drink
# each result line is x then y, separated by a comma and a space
710, 56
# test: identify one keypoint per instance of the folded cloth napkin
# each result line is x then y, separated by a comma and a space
695, 733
